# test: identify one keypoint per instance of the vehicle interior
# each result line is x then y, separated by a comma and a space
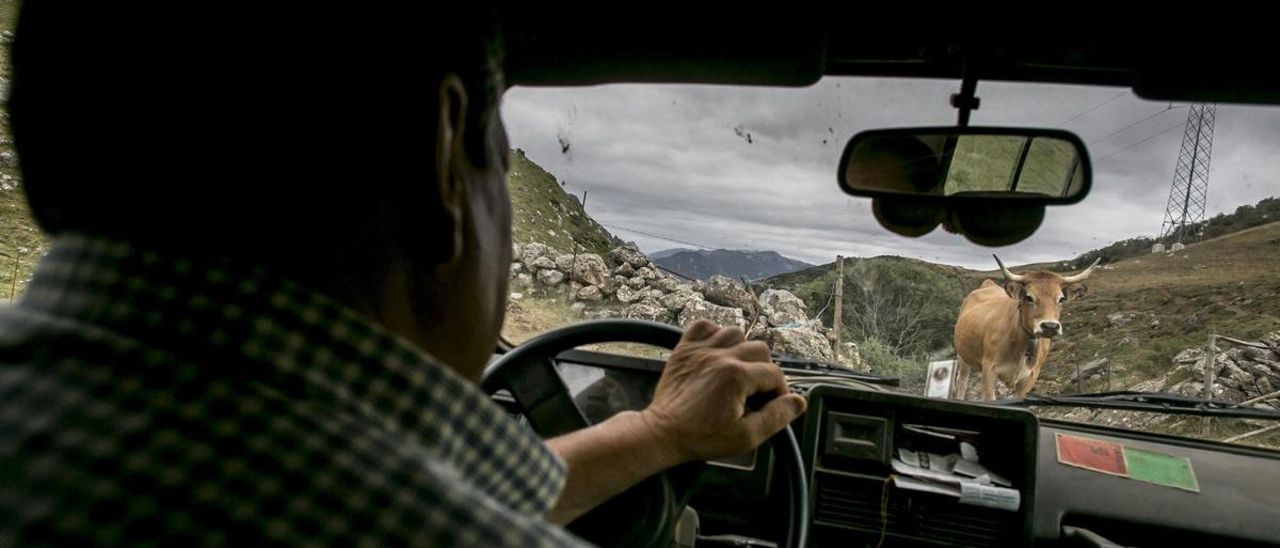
832, 479
855, 469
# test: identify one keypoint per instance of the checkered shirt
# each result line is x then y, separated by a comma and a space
150, 398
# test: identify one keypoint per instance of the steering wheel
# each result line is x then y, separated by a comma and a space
654, 505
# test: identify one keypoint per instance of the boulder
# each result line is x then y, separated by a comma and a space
589, 293
646, 273
627, 295
543, 262
630, 255
625, 270
550, 277
665, 283
524, 279
1250, 353
635, 283
723, 316
564, 262
589, 269
727, 292
801, 342
577, 308
532, 251
782, 307
516, 268
646, 310
676, 300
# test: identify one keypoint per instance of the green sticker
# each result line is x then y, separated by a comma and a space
1161, 469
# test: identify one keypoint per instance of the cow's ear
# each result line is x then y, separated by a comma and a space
1015, 290
1075, 291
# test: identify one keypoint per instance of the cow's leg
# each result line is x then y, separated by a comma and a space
988, 381
960, 388
1027, 383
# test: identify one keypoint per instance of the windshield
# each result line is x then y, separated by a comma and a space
679, 202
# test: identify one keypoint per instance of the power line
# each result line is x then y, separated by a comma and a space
1114, 133
660, 237
670, 271
1093, 108
1180, 124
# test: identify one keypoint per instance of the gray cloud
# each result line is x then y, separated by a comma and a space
664, 166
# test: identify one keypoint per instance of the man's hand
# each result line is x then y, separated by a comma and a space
698, 412
699, 408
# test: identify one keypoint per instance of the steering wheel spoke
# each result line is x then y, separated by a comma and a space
545, 398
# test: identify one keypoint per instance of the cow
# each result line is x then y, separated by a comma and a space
1007, 330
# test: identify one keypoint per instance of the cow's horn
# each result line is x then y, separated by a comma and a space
1008, 275
1083, 275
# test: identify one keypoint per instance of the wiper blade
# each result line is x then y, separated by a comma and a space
1173, 404
807, 365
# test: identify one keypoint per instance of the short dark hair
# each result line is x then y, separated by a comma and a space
194, 124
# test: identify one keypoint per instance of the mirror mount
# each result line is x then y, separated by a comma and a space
966, 101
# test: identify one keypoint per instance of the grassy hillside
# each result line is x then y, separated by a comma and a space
21, 243
1229, 286
906, 303
545, 213
901, 312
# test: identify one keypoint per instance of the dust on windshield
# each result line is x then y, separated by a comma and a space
677, 203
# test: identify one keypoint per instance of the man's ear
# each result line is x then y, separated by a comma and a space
1015, 290
1075, 291
450, 157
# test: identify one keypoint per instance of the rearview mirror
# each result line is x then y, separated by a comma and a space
1031, 166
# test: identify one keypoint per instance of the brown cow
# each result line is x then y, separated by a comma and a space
1006, 331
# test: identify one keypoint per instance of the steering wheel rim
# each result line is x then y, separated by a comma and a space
528, 372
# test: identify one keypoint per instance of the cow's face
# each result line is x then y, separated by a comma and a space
1040, 297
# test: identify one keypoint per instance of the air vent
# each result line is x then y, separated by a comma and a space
854, 503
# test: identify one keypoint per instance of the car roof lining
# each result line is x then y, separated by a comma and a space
790, 51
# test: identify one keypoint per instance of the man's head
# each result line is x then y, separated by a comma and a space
1040, 297
360, 153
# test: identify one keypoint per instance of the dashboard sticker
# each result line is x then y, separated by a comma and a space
1091, 454
1161, 469
1127, 462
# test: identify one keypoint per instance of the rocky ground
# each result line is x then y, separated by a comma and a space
1241, 374
624, 283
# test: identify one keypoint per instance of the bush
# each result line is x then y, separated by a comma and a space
882, 360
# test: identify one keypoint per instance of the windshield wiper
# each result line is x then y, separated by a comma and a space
1173, 404
806, 365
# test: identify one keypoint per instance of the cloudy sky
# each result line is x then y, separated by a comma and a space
670, 166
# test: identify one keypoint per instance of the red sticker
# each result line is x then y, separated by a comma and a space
1091, 454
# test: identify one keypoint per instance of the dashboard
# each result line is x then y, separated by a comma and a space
888, 469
